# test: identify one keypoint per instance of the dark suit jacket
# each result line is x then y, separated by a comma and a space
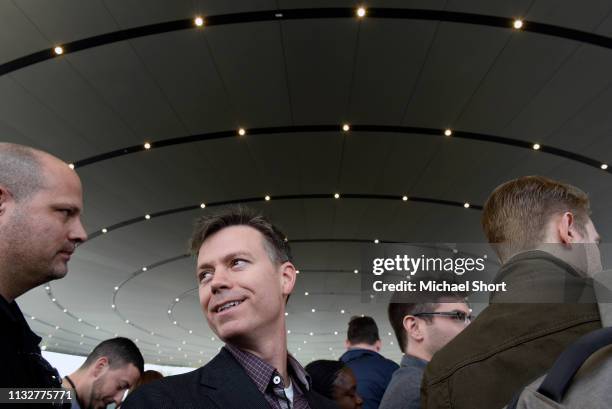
220, 384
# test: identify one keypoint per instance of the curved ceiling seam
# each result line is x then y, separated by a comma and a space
304, 14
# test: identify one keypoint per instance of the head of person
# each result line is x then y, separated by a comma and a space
363, 333
425, 323
113, 367
538, 213
335, 381
245, 275
147, 376
41, 202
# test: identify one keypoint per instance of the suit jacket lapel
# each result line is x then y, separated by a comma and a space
229, 386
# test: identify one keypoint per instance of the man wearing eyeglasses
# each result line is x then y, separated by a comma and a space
40, 227
422, 329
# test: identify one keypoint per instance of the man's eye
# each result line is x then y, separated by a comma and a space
238, 262
205, 276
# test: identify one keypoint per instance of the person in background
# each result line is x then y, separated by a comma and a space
113, 367
335, 381
372, 370
423, 324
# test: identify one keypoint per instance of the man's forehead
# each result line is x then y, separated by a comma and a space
231, 240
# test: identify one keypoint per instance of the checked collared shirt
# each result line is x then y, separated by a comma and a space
270, 382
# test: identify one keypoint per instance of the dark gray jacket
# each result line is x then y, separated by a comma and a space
404, 390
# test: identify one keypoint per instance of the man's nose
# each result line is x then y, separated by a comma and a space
221, 280
77, 232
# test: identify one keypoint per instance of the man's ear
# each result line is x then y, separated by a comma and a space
566, 228
413, 329
5, 199
288, 277
99, 367
378, 345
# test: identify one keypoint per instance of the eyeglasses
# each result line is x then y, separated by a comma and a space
458, 316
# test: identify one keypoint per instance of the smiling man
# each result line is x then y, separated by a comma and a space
40, 227
245, 276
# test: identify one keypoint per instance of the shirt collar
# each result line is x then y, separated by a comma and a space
410, 360
262, 373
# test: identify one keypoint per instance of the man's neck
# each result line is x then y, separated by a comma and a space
77, 380
12, 283
363, 346
272, 349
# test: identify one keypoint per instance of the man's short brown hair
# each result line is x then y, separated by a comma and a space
274, 240
516, 214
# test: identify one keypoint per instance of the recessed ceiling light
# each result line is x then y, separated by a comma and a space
361, 12
97, 328
127, 321
536, 146
341, 311
116, 288
113, 306
53, 299
306, 293
58, 50
65, 310
336, 195
286, 314
346, 127
148, 216
104, 231
177, 299
466, 205
356, 271
448, 132
376, 241
517, 24
288, 331
144, 269
202, 205
313, 310
80, 320
44, 347
47, 288
169, 311
604, 166
241, 131
267, 198
335, 332
405, 198
147, 145
174, 322
199, 21
297, 271
71, 165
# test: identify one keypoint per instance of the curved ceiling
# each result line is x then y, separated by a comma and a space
398, 79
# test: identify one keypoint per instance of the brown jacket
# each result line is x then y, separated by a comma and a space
510, 344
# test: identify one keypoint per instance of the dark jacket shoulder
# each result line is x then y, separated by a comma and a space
220, 384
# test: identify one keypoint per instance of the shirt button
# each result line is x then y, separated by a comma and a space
276, 380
